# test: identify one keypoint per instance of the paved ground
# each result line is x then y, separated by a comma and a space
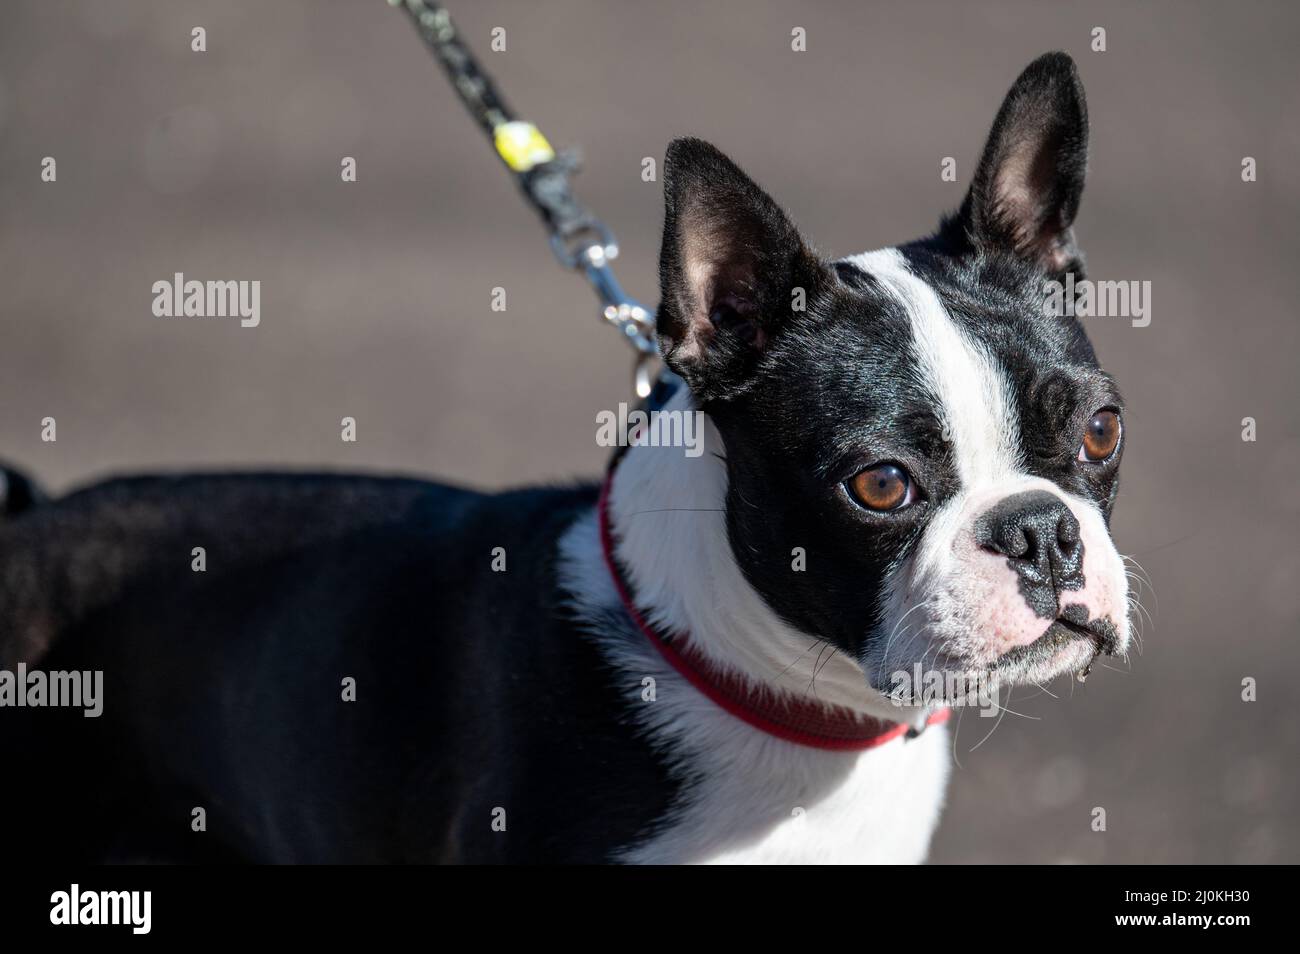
375, 300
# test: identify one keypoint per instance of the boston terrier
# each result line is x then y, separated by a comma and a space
909, 468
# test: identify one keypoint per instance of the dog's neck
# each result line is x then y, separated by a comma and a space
669, 519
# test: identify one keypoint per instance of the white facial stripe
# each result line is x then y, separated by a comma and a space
972, 394
937, 604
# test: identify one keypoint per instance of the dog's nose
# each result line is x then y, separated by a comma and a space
1038, 534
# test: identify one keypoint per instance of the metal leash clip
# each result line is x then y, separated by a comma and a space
589, 250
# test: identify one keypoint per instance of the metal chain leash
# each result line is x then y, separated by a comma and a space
579, 240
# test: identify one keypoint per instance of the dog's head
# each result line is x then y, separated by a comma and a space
945, 454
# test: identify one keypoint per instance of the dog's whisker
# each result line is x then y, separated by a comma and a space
797, 659
817, 664
898, 625
956, 733
1022, 715
992, 730
1137, 611
1047, 691
1145, 577
914, 635
1135, 604
1165, 546
812, 683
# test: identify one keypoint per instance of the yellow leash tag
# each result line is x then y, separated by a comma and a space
522, 145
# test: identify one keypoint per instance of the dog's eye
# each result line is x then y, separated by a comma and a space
1100, 438
882, 487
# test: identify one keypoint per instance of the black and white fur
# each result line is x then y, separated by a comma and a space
522, 695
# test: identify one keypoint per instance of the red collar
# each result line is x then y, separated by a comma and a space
803, 721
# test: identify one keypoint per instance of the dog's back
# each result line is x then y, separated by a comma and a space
345, 679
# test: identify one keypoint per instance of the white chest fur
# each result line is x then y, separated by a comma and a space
749, 797
760, 800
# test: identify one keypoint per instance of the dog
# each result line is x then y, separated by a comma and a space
910, 468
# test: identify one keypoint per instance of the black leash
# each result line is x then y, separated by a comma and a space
579, 240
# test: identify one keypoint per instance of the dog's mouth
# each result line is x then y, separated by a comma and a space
1071, 642
1062, 639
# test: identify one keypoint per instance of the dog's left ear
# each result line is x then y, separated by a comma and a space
728, 268
1026, 190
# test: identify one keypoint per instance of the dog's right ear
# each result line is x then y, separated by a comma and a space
729, 265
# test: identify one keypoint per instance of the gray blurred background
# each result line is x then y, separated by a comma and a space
375, 300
